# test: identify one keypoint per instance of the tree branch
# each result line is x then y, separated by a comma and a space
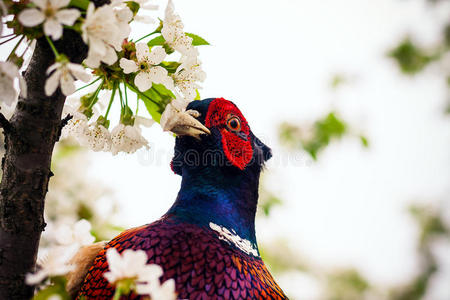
37, 125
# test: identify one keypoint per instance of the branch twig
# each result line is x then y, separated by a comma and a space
63, 123
4, 123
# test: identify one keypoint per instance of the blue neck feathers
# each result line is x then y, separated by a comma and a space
223, 196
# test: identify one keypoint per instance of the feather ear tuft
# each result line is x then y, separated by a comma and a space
262, 152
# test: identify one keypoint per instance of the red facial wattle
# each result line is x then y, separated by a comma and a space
237, 151
235, 139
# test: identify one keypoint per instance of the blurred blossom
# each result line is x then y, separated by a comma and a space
53, 262
130, 271
8, 73
79, 234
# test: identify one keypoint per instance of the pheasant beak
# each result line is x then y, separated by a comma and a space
185, 123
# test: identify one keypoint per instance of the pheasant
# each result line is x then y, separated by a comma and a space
206, 241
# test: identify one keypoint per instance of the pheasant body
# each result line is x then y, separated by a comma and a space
203, 266
206, 241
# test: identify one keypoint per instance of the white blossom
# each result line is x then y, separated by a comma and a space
96, 137
91, 135
104, 30
146, 67
173, 33
173, 111
76, 127
143, 6
51, 13
130, 265
187, 75
52, 263
8, 73
78, 234
126, 138
156, 290
64, 75
141, 121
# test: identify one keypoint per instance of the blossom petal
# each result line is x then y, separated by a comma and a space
165, 291
7, 91
110, 276
52, 83
150, 6
79, 72
134, 260
138, 120
151, 272
98, 46
159, 75
67, 84
157, 55
124, 15
168, 82
114, 260
92, 61
142, 51
23, 87
128, 66
53, 67
67, 16
33, 279
110, 56
59, 3
53, 28
42, 4
167, 116
143, 81
144, 19
31, 17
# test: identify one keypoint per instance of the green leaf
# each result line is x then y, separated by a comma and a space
126, 116
133, 6
82, 4
197, 40
157, 41
197, 95
156, 100
269, 203
411, 58
151, 100
163, 91
58, 288
364, 141
337, 80
153, 109
170, 66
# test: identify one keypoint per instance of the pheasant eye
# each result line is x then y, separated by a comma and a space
234, 123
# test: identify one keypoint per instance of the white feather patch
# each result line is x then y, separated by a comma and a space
227, 235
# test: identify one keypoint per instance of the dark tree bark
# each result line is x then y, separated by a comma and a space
30, 137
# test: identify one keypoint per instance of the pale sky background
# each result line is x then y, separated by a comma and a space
275, 59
